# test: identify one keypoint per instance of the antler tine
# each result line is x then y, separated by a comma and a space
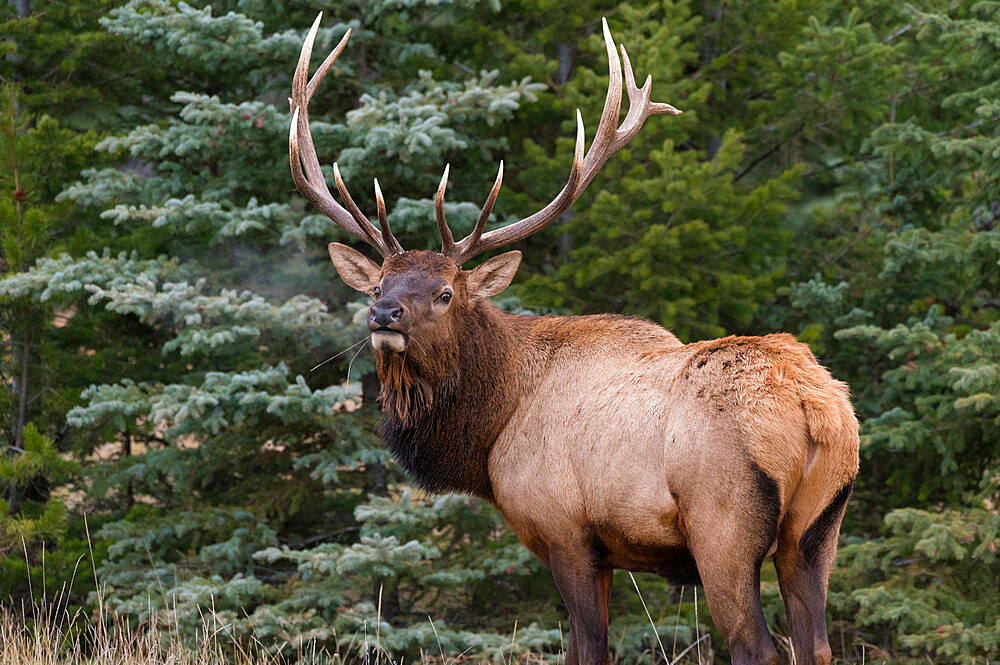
372, 235
302, 150
608, 139
470, 241
613, 99
543, 217
447, 240
639, 97
317, 78
321, 198
640, 107
299, 103
383, 221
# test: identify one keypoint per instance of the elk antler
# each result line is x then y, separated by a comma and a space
610, 138
302, 152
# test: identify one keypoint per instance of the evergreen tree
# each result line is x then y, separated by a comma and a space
678, 239
229, 465
64, 76
904, 302
36, 348
70, 68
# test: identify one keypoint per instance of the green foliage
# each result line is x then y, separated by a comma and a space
414, 555
951, 617
690, 244
39, 457
71, 68
680, 239
904, 304
37, 156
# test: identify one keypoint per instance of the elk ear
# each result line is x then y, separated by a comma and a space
356, 269
493, 276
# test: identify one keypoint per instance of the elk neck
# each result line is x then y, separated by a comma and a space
442, 414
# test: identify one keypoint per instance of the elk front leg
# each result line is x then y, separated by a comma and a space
585, 590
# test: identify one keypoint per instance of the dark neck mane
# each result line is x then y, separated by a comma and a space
441, 431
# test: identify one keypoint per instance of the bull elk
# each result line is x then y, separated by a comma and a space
602, 440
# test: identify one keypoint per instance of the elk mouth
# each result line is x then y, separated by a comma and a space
387, 339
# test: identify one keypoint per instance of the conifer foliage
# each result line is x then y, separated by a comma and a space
235, 477
904, 303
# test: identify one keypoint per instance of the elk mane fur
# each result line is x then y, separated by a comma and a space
444, 408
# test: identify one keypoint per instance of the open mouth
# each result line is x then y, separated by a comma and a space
385, 339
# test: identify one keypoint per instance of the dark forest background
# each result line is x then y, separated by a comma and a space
166, 295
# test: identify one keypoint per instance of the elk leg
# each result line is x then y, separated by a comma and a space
805, 599
729, 548
804, 563
604, 578
585, 590
733, 592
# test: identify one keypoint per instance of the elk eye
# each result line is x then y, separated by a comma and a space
378, 292
445, 297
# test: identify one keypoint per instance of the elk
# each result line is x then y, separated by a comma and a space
603, 441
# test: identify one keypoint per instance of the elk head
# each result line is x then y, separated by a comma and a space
421, 296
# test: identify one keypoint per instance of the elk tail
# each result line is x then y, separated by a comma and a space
832, 459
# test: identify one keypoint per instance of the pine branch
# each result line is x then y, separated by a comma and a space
770, 152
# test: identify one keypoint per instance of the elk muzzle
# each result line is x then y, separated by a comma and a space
384, 320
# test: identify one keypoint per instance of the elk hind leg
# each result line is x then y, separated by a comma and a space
585, 589
803, 562
729, 549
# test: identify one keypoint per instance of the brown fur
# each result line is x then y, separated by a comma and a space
606, 443
403, 392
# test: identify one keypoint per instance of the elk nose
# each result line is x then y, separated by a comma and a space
384, 313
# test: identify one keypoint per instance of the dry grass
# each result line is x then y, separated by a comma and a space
46, 632
42, 635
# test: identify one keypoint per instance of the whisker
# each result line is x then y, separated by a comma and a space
351, 364
360, 341
417, 342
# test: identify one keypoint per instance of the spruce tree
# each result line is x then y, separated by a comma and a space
232, 459
903, 301
65, 79
37, 348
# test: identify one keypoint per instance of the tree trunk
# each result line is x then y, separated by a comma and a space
127, 452
378, 483
21, 386
714, 141
15, 499
23, 9
564, 54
